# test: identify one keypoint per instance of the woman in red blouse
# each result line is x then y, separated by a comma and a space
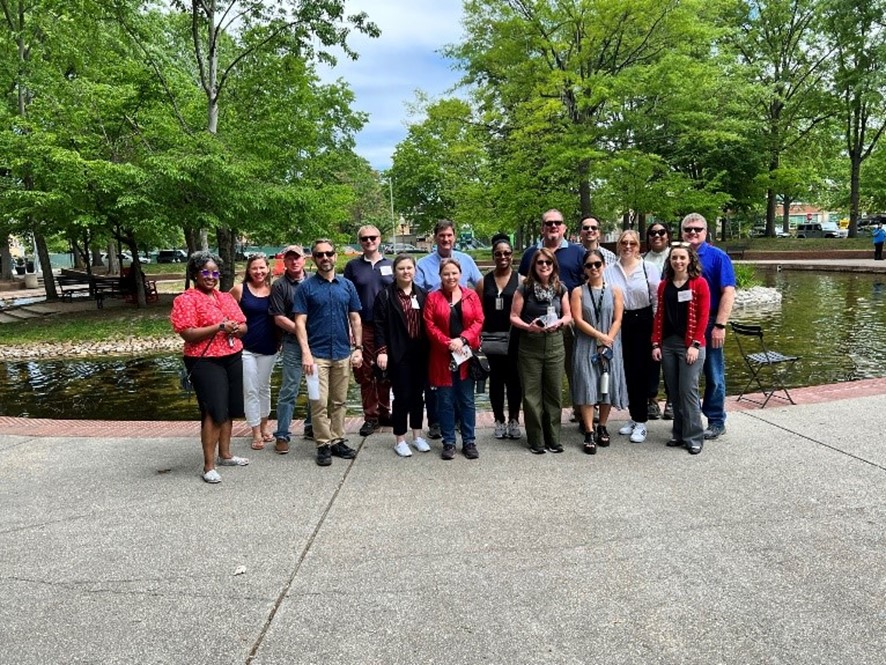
453, 319
678, 341
211, 323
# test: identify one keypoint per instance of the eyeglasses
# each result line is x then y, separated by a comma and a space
628, 243
593, 265
503, 255
544, 262
328, 255
553, 222
368, 238
693, 229
684, 245
661, 233
590, 228
210, 273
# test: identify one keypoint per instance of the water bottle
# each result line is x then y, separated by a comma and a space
604, 383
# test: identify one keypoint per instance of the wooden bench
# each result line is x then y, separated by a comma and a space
70, 285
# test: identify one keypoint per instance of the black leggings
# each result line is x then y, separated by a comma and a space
636, 350
218, 383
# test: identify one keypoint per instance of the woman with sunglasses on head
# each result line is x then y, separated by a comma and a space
678, 341
597, 311
260, 345
212, 326
638, 281
658, 244
497, 293
540, 311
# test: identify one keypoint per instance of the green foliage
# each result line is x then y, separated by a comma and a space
746, 276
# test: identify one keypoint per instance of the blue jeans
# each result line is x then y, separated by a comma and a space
459, 396
289, 385
714, 404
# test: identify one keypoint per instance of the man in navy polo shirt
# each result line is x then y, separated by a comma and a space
570, 261
370, 273
716, 268
324, 306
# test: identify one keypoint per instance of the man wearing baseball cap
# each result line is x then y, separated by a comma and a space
282, 296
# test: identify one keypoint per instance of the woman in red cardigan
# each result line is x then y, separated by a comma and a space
678, 341
453, 320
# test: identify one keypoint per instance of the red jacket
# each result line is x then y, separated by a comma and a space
436, 315
697, 316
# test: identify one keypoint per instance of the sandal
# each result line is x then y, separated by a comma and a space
590, 447
602, 436
258, 444
267, 438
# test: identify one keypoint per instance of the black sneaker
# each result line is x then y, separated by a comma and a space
343, 450
448, 453
554, 447
470, 451
309, 432
653, 412
434, 431
713, 431
324, 456
668, 412
368, 428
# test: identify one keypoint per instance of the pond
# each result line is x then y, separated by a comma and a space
835, 322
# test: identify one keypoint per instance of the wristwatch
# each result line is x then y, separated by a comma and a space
696, 344
357, 347
221, 327
720, 326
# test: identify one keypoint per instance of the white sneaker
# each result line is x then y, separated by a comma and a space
628, 427
212, 477
402, 449
421, 445
232, 461
639, 433
501, 430
514, 430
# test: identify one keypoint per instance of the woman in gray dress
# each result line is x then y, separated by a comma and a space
597, 310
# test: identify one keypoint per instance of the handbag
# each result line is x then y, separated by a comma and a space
184, 375
495, 343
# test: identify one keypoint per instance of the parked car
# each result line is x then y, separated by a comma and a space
125, 259
172, 256
760, 232
821, 230
866, 225
401, 248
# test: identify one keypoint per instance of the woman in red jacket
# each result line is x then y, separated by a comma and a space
678, 341
453, 320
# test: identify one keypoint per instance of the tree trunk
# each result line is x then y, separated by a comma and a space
46, 265
854, 190
5, 259
786, 213
226, 253
770, 212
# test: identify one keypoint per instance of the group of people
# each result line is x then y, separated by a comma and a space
610, 322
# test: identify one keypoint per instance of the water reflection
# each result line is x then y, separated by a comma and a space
835, 322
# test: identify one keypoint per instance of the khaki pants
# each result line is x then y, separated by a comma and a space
328, 412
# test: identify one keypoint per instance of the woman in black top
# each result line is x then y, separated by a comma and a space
497, 294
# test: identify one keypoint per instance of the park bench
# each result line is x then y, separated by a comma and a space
99, 287
73, 284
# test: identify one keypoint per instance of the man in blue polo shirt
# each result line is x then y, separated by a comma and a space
324, 306
370, 272
716, 268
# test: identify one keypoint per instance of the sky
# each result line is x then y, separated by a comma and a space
392, 67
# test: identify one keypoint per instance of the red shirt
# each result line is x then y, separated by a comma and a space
196, 309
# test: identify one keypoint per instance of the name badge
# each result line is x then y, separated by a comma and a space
415, 304
387, 271
499, 303
552, 313
684, 296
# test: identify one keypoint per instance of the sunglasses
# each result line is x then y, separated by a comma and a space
328, 255
210, 273
368, 238
503, 255
544, 262
590, 228
684, 245
628, 243
553, 222
693, 229
593, 265
661, 233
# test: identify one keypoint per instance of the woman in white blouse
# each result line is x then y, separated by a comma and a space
638, 281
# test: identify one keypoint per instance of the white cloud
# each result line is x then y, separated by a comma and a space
391, 68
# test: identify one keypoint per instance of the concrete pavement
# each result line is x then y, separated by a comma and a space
769, 547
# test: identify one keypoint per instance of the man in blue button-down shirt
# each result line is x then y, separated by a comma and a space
324, 306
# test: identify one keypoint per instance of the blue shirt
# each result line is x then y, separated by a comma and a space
427, 270
369, 278
327, 305
716, 268
570, 259
879, 236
